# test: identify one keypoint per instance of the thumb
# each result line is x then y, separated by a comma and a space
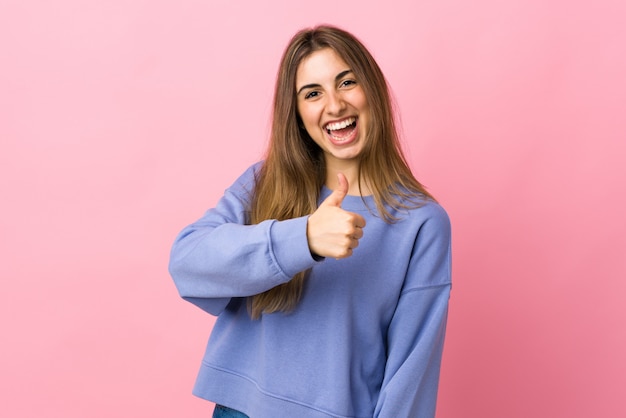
337, 196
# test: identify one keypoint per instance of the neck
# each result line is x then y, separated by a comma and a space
350, 169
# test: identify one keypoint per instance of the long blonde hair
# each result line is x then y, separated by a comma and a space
289, 182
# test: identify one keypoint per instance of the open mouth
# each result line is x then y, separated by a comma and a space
343, 130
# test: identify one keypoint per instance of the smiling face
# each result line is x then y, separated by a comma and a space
332, 106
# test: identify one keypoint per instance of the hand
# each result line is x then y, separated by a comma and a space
332, 231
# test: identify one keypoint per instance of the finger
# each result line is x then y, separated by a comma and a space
347, 254
337, 196
359, 221
343, 183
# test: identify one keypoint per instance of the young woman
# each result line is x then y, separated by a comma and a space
327, 264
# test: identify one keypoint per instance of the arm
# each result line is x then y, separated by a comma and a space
416, 332
220, 257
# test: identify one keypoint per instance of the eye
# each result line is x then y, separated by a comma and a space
312, 94
347, 83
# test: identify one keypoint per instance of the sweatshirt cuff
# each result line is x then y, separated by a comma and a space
290, 245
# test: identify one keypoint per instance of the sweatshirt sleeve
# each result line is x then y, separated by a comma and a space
220, 256
416, 332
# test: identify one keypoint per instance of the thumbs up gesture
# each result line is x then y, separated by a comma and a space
332, 231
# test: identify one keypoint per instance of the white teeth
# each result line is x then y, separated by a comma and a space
340, 125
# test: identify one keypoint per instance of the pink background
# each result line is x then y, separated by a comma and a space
122, 121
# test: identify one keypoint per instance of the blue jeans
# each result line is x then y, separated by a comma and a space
225, 412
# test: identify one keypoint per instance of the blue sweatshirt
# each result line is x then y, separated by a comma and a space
364, 341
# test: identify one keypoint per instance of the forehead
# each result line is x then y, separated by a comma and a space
319, 67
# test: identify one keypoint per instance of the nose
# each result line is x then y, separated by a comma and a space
335, 104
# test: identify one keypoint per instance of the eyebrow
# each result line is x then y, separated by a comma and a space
337, 78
